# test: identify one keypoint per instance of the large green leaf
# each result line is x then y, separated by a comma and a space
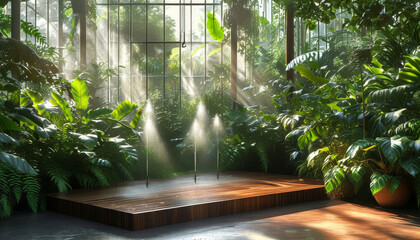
411, 71
7, 124
38, 102
64, 105
316, 154
24, 120
308, 74
358, 145
309, 136
47, 132
307, 57
397, 95
95, 113
356, 177
123, 109
394, 183
4, 138
392, 148
213, 27
411, 164
17, 162
88, 140
333, 178
136, 119
80, 93
378, 181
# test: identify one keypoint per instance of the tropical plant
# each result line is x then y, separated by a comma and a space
78, 136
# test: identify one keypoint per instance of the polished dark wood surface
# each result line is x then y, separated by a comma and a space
168, 201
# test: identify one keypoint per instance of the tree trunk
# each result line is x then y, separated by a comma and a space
16, 19
82, 17
290, 41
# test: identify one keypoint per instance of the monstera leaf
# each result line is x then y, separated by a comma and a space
213, 27
358, 145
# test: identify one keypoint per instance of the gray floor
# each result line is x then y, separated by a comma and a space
51, 225
315, 220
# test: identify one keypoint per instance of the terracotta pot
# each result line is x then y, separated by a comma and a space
399, 198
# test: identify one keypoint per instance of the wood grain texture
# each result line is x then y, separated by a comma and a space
132, 206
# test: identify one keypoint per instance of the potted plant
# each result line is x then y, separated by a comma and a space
334, 169
392, 162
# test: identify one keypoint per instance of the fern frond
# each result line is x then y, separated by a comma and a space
32, 189
60, 177
100, 176
262, 153
15, 183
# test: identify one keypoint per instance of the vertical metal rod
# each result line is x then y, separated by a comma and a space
118, 54
36, 11
131, 49
60, 33
26, 13
48, 21
205, 43
217, 157
147, 156
108, 54
147, 57
164, 57
195, 156
179, 54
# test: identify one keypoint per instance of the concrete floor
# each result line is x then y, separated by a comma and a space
330, 219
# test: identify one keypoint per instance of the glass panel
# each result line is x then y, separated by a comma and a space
102, 34
172, 60
198, 58
53, 23
172, 89
186, 60
213, 56
138, 72
113, 53
155, 70
155, 23
172, 24
198, 24
124, 54
138, 25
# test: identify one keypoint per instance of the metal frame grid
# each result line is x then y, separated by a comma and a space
164, 43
